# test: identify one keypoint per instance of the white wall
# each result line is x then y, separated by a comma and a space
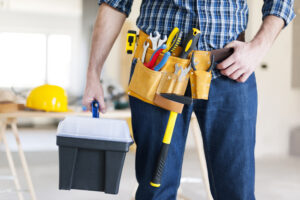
61, 7
49, 17
279, 107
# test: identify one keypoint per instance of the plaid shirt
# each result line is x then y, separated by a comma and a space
220, 21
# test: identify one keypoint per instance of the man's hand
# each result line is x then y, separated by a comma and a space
242, 63
93, 91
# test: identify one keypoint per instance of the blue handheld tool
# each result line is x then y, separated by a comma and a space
95, 109
162, 62
160, 47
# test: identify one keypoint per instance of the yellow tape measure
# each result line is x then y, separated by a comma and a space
130, 41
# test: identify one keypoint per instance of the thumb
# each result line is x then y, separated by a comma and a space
101, 104
231, 44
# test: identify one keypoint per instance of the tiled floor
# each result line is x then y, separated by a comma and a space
276, 178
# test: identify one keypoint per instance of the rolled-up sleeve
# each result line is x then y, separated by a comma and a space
123, 6
280, 8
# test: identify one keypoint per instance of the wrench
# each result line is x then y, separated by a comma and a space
184, 72
155, 39
146, 45
161, 42
177, 69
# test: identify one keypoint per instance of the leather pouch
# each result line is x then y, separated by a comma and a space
144, 82
170, 83
200, 84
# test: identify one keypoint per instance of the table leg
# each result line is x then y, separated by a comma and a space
201, 155
10, 160
1, 131
23, 160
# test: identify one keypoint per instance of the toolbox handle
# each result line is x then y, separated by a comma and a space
95, 108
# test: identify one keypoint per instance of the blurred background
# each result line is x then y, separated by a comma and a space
48, 41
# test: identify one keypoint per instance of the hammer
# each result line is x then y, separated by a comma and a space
175, 104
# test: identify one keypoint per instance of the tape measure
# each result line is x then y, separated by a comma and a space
130, 41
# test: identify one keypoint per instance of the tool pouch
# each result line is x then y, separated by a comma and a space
146, 83
200, 78
200, 84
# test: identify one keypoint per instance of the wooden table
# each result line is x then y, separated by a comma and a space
12, 118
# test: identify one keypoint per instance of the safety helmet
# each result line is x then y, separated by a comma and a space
50, 98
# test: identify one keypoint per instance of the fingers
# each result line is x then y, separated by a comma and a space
227, 62
238, 66
102, 105
244, 77
230, 70
232, 44
237, 74
86, 101
231, 59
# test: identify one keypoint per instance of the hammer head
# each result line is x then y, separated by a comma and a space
171, 102
177, 98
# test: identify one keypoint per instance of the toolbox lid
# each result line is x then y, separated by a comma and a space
95, 128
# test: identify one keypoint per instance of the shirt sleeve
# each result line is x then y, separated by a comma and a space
280, 8
123, 6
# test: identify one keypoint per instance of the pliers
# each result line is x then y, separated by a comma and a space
213, 64
193, 63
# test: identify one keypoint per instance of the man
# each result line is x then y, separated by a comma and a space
227, 119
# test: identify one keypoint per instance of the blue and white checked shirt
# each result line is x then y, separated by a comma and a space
220, 21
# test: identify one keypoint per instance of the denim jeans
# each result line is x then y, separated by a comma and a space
227, 122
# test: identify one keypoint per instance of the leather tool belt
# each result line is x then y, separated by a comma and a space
145, 84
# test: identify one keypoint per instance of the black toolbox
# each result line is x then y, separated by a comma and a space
91, 161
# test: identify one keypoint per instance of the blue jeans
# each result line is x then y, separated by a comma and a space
227, 122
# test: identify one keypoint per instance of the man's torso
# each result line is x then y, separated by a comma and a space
220, 21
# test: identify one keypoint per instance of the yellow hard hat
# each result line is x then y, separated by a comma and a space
50, 98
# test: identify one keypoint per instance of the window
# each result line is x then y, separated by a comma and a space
30, 59
59, 60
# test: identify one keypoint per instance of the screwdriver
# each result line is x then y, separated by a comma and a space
190, 42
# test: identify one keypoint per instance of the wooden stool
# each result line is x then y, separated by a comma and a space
13, 123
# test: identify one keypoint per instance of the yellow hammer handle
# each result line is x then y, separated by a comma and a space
170, 127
